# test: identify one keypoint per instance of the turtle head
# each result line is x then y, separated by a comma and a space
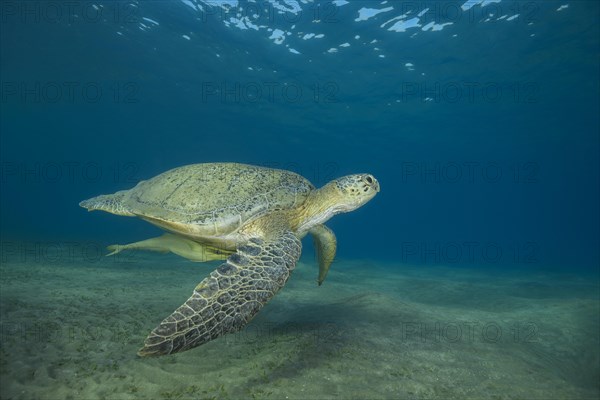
338, 196
352, 191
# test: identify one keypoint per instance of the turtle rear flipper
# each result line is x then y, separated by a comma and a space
179, 245
116, 248
229, 297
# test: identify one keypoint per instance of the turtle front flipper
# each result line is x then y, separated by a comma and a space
325, 246
229, 297
179, 245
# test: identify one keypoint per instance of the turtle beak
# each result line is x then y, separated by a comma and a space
376, 185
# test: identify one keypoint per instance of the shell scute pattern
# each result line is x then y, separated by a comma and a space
224, 195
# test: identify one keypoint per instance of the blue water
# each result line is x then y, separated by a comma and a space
489, 135
483, 133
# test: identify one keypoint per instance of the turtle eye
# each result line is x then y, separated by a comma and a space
369, 179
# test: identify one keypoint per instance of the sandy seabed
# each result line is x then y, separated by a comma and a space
70, 330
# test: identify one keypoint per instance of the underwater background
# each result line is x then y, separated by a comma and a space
479, 119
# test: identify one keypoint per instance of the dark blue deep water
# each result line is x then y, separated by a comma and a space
480, 119
483, 131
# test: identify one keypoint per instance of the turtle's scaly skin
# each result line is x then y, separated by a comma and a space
229, 297
252, 215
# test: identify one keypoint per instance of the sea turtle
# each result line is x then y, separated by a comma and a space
253, 217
